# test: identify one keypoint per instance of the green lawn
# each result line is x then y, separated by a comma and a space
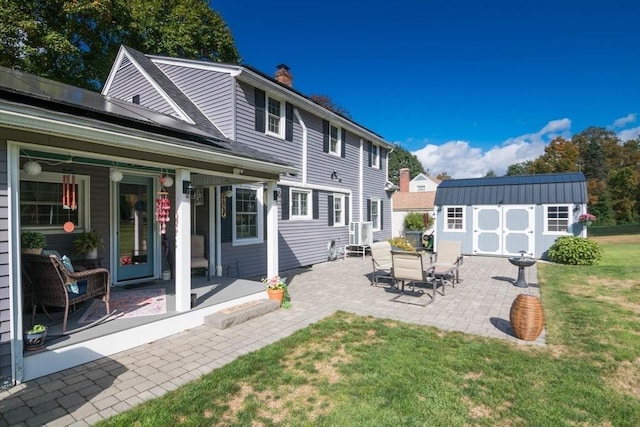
360, 371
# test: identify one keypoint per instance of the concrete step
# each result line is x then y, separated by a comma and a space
241, 313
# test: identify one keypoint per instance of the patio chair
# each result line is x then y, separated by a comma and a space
409, 267
382, 263
198, 259
446, 261
52, 280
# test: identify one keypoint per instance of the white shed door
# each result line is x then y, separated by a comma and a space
503, 230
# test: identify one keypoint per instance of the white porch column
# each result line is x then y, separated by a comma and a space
272, 230
183, 242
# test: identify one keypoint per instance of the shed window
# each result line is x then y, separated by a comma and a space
455, 218
557, 219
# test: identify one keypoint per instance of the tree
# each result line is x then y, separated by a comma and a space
559, 156
76, 41
522, 168
400, 158
490, 174
328, 103
443, 176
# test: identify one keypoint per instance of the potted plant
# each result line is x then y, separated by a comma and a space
401, 243
35, 337
88, 243
32, 242
277, 289
586, 219
415, 223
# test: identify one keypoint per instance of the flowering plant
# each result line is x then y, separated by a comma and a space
275, 282
587, 217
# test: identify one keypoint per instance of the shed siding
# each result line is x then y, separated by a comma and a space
128, 82
5, 286
210, 91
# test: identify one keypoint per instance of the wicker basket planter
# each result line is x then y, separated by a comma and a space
526, 317
34, 340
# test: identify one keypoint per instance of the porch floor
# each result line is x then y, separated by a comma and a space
217, 290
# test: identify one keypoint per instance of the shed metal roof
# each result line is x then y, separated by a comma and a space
514, 190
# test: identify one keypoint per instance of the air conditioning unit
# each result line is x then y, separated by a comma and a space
360, 233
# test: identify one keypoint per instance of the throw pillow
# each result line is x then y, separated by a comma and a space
71, 286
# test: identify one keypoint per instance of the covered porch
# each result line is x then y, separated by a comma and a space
101, 165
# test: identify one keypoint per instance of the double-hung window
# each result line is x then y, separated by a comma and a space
334, 140
375, 214
557, 219
301, 204
41, 202
247, 215
454, 220
275, 117
338, 210
375, 156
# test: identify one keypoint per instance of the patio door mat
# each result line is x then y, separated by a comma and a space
128, 304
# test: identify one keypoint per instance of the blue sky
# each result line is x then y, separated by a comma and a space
467, 86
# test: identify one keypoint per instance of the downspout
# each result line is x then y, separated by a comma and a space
304, 145
361, 181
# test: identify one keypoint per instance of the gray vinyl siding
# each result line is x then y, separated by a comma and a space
287, 151
5, 286
373, 185
210, 91
129, 82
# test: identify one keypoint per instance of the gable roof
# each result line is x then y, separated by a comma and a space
245, 73
511, 190
422, 200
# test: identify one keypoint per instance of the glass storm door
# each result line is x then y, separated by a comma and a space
135, 238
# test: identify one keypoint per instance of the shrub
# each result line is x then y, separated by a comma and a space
416, 221
575, 251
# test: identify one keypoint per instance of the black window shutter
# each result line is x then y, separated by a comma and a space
325, 136
260, 113
369, 150
330, 203
346, 211
343, 143
284, 202
288, 131
368, 209
316, 207
381, 207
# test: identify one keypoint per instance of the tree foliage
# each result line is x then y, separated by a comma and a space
400, 158
612, 169
76, 41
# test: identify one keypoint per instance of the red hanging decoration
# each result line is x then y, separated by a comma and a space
163, 207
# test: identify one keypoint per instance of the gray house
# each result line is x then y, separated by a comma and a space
341, 165
505, 215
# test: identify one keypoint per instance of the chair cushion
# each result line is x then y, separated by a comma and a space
199, 263
71, 286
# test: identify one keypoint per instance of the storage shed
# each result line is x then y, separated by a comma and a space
503, 216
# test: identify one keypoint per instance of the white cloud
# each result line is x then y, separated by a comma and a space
623, 121
460, 160
628, 134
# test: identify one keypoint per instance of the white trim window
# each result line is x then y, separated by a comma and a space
375, 214
375, 156
275, 117
335, 140
247, 215
454, 218
41, 197
338, 210
300, 204
556, 219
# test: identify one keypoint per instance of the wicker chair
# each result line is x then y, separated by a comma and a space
50, 277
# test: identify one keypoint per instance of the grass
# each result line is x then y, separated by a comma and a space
349, 370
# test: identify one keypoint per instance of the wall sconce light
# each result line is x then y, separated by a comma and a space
276, 195
115, 175
188, 189
228, 193
576, 208
32, 168
334, 176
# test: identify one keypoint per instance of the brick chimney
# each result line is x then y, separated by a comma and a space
404, 180
283, 75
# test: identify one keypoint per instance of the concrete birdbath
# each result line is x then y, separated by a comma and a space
521, 262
